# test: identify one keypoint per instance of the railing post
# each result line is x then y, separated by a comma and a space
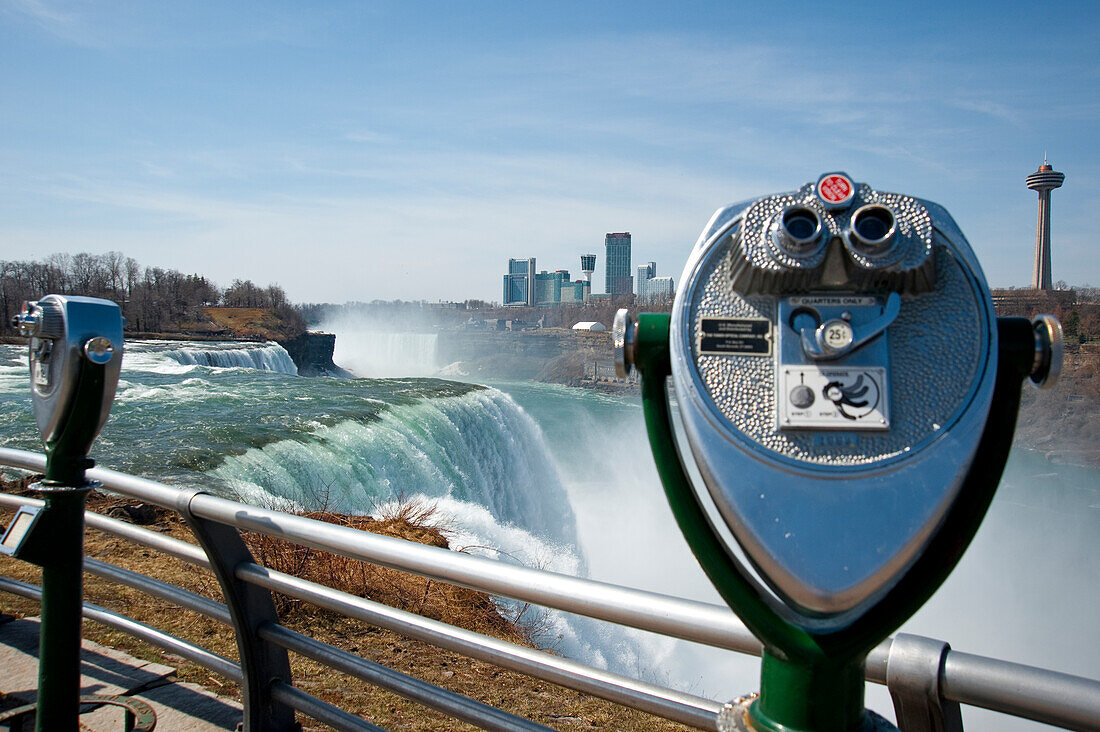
250, 607
914, 672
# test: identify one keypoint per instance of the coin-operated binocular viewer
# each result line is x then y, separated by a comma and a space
849, 397
75, 359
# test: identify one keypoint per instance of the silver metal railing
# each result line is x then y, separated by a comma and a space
927, 680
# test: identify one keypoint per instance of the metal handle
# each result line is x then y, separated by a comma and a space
624, 336
1049, 351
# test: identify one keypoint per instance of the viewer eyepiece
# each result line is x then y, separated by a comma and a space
872, 230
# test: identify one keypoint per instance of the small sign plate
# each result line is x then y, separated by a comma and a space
835, 190
736, 336
828, 398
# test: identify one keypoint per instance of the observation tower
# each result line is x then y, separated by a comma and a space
1044, 180
588, 266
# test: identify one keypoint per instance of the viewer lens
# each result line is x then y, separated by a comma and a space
800, 227
799, 231
872, 229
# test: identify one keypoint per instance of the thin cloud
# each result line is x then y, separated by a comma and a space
369, 137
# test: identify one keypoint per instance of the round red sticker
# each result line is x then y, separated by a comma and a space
834, 189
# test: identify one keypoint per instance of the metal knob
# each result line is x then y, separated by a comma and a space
1049, 351
99, 350
40, 320
625, 343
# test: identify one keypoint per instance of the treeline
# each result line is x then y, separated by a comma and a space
153, 300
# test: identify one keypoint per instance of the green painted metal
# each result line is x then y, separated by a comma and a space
813, 681
139, 716
61, 555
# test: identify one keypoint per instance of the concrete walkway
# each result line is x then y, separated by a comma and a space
179, 706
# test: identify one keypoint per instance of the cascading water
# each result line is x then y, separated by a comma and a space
479, 448
270, 357
382, 354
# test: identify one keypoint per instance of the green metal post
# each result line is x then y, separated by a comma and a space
62, 600
61, 556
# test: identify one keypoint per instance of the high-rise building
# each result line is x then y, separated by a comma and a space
1044, 180
617, 278
651, 287
519, 283
575, 292
645, 272
548, 286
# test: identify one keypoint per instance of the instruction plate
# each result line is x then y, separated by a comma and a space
842, 398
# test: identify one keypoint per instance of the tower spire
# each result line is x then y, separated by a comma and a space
1044, 180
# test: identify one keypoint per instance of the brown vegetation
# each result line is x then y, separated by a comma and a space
546, 703
262, 323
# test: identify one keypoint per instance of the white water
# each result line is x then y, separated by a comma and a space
375, 349
479, 448
378, 354
270, 357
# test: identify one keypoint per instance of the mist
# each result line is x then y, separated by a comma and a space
384, 341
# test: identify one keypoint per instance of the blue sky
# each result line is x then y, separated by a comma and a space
406, 150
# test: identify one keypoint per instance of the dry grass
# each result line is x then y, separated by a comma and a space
546, 703
248, 322
409, 520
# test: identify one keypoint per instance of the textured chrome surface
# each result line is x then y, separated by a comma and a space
872, 230
63, 331
759, 265
741, 387
831, 518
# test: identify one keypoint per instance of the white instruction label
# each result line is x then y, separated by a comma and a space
850, 398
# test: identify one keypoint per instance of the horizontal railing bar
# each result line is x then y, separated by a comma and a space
674, 705
182, 550
322, 711
701, 622
429, 695
971, 680
156, 588
671, 616
32, 461
184, 649
1025, 691
190, 553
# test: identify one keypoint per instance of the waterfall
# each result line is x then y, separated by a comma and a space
270, 357
480, 448
381, 354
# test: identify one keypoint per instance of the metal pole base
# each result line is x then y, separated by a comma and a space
139, 716
735, 717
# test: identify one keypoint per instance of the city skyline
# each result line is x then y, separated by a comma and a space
323, 149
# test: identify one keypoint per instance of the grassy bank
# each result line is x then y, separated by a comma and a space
546, 703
